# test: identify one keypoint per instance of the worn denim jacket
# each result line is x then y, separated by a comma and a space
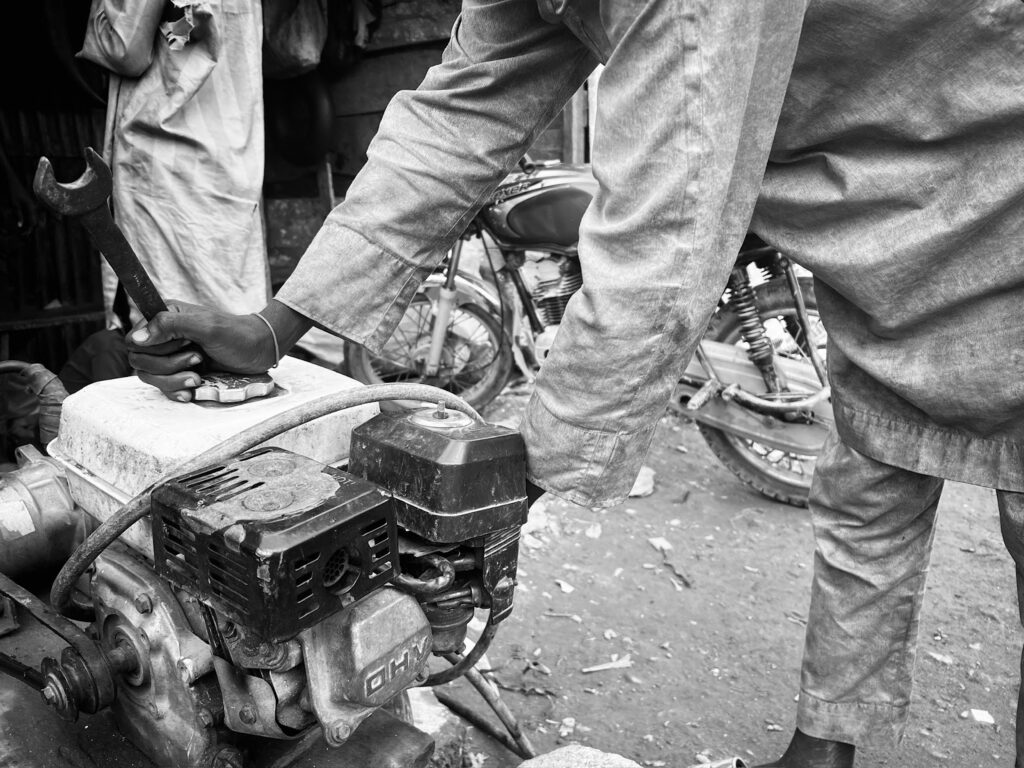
894, 175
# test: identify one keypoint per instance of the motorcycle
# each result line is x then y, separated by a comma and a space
756, 387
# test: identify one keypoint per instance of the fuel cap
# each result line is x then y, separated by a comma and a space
233, 387
440, 418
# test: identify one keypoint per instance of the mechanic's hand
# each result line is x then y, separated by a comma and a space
162, 355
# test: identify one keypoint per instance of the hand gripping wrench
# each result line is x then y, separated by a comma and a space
86, 199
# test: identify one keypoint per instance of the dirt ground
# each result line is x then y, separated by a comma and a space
714, 627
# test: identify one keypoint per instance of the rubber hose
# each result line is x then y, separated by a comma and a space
45, 385
139, 506
461, 664
50, 390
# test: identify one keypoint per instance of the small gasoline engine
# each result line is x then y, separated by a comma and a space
279, 593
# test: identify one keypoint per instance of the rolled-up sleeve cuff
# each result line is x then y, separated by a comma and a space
592, 467
366, 304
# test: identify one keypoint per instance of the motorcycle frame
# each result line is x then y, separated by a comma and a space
712, 385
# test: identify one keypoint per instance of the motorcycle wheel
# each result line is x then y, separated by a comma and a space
475, 362
780, 475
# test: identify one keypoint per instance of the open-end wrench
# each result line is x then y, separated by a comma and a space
86, 199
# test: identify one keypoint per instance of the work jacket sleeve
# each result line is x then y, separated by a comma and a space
686, 112
440, 152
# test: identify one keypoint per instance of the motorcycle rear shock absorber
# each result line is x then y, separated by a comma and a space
759, 346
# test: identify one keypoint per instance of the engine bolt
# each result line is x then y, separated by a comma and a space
247, 715
143, 603
229, 757
205, 717
187, 670
50, 695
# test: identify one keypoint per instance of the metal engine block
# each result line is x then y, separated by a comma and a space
274, 540
286, 594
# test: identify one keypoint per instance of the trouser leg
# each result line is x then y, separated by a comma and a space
1011, 523
873, 527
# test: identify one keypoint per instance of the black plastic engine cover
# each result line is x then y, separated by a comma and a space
273, 540
450, 483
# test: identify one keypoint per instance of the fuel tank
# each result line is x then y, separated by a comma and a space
542, 209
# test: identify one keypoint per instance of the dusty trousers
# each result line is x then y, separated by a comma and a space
874, 526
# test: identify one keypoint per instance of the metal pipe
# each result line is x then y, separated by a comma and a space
446, 301
774, 407
477, 720
805, 323
31, 677
491, 695
432, 586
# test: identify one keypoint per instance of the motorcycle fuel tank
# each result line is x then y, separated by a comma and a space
542, 209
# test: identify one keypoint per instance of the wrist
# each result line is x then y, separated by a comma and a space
283, 325
276, 358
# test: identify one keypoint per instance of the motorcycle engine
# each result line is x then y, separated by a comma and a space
285, 594
554, 279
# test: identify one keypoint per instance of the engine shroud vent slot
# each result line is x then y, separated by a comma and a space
274, 540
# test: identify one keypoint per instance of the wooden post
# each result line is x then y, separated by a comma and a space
574, 126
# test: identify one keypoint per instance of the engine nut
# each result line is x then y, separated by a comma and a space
247, 715
187, 670
229, 757
337, 732
143, 603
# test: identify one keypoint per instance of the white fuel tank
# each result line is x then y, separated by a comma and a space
117, 437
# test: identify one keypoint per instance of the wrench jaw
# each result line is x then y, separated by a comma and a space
76, 198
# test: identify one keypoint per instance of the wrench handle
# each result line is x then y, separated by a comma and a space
111, 242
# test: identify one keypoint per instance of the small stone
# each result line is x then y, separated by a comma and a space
979, 716
644, 485
579, 757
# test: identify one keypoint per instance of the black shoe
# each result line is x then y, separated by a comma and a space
808, 752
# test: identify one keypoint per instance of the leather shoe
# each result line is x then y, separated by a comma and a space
809, 752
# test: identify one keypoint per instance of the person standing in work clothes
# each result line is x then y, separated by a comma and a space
880, 145
184, 141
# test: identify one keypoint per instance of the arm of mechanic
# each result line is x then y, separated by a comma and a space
440, 152
686, 114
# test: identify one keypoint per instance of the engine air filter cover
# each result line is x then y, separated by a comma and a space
451, 480
274, 540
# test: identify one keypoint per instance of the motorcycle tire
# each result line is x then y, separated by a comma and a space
486, 358
782, 476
